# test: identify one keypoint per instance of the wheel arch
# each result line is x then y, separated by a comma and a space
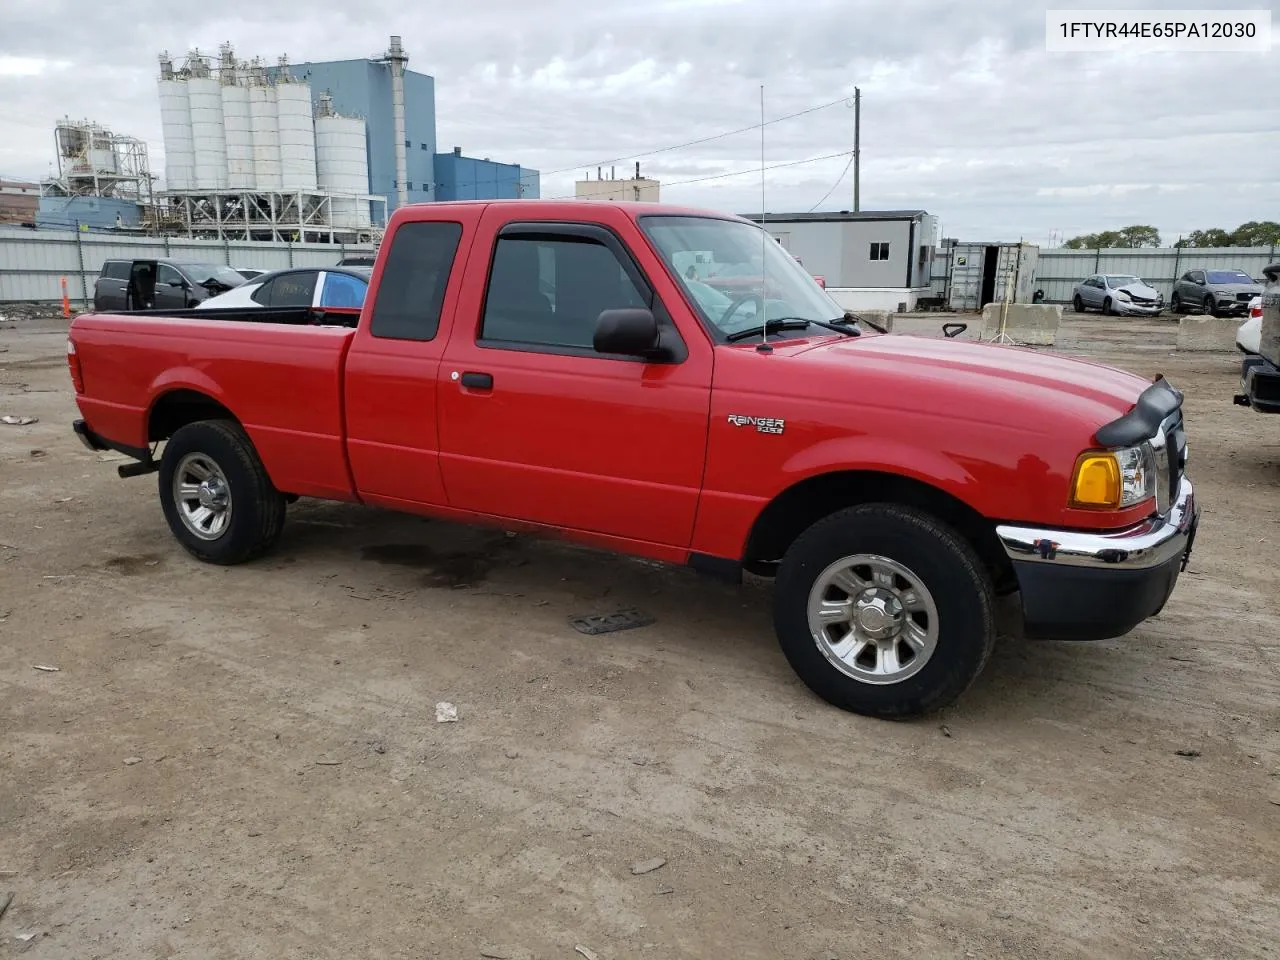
177, 406
805, 502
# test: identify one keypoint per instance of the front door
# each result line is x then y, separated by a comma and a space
171, 288
537, 426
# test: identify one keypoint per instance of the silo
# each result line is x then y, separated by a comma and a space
238, 135
297, 137
266, 136
179, 143
342, 167
209, 141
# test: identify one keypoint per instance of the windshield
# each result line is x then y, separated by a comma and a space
719, 263
202, 273
1122, 280
1229, 276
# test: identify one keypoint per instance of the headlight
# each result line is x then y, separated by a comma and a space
1123, 295
1114, 479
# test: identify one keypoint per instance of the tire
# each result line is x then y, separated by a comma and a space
1208, 307
1077, 304
955, 606
1175, 304
1106, 307
218, 458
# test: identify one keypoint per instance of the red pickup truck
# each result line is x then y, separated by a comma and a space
554, 367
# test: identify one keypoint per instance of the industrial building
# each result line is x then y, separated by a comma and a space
308, 151
636, 188
882, 258
370, 88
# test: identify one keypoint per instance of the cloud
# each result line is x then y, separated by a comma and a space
964, 113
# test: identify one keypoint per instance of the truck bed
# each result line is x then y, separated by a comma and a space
282, 380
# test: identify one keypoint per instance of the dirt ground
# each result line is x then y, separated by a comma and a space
245, 763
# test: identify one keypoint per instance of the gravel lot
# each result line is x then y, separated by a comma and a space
246, 763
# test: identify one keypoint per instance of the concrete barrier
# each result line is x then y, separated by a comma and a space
882, 317
1033, 324
1208, 334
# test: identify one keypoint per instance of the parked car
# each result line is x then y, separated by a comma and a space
249, 273
549, 369
327, 288
1117, 293
1259, 339
1249, 334
160, 284
358, 260
1214, 292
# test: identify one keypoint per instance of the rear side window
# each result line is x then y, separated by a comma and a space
411, 292
116, 269
293, 289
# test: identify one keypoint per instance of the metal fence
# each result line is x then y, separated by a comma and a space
1059, 270
33, 262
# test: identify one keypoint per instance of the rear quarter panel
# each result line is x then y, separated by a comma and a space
283, 383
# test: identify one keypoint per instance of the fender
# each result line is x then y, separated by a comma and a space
183, 378
881, 455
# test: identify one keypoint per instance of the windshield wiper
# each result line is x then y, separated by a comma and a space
851, 317
774, 324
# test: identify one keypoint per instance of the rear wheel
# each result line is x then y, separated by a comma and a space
884, 610
216, 495
1077, 304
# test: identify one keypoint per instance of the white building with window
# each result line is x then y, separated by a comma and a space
872, 260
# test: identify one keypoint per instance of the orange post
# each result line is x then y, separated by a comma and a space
66, 304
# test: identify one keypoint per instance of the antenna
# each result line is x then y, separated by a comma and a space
764, 246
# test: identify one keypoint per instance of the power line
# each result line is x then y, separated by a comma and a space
840, 179
701, 140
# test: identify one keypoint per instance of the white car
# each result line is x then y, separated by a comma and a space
336, 289
1249, 335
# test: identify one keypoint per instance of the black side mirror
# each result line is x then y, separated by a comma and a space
631, 332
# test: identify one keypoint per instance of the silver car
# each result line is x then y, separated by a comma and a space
1117, 293
1216, 292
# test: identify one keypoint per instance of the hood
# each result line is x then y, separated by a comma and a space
1141, 290
1236, 287
985, 383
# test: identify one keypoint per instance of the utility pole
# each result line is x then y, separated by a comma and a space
857, 148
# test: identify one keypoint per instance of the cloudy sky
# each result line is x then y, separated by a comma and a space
964, 112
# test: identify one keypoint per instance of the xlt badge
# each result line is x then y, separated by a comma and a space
762, 424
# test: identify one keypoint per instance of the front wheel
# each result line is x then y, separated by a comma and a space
884, 610
1175, 304
216, 495
1106, 306
1209, 307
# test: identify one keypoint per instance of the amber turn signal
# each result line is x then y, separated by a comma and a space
1096, 483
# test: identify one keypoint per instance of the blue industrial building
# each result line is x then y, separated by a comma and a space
362, 88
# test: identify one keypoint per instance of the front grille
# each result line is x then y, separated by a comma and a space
1245, 297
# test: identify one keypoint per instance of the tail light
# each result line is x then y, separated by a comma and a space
1255, 312
73, 365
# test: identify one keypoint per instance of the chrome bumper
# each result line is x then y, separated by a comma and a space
1151, 543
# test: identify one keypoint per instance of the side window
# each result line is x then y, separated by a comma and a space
263, 294
165, 274
879, 251
293, 289
116, 269
342, 290
411, 291
550, 291
1197, 276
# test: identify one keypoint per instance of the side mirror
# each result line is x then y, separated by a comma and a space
630, 332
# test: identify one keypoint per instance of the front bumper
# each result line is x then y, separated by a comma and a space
1093, 586
1232, 308
1131, 309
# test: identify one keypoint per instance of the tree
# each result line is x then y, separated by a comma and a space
1256, 233
1212, 237
1137, 235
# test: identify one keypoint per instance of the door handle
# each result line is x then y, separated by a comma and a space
478, 381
